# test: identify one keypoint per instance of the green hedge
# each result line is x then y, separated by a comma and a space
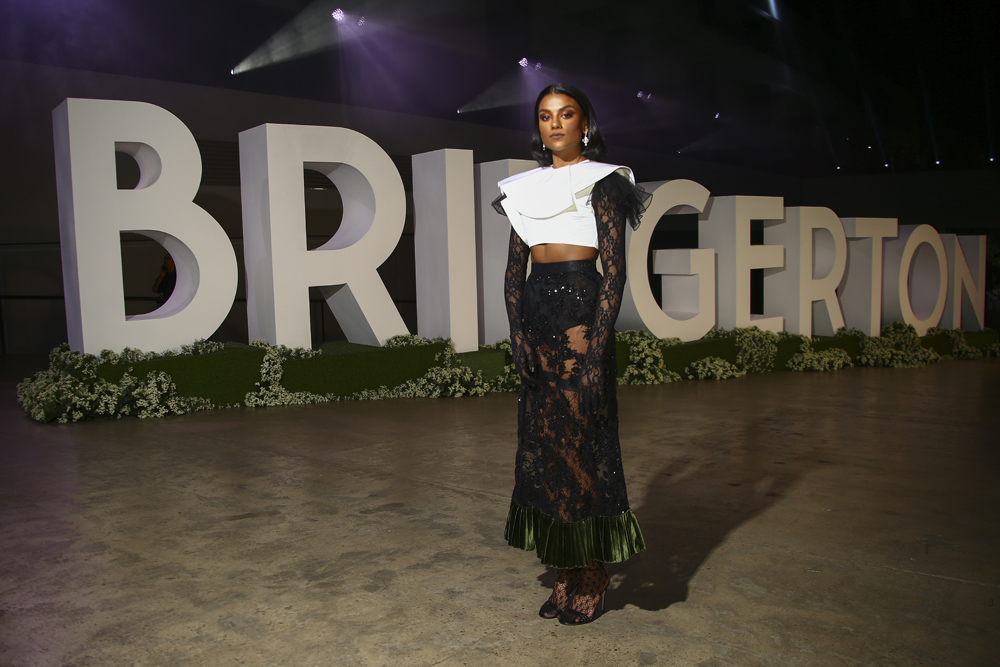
488, 362
677, 358
849, 344
345, 374
223, 377
207, 375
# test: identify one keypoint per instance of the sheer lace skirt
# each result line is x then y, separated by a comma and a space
569, 502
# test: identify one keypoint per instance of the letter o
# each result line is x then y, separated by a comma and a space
916, 278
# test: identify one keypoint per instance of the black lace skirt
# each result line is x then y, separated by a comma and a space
569, 504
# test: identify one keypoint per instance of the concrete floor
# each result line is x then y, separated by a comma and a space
848, 518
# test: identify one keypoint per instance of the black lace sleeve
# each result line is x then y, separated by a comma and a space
615, 201
513, 289
618, 193
496, 204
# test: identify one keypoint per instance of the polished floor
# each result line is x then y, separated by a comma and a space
847, 518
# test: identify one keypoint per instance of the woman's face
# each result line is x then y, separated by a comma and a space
561, 124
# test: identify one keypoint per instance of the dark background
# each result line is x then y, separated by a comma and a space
881, 109
800, 86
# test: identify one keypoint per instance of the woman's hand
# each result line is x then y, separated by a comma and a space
591, 395
524, 359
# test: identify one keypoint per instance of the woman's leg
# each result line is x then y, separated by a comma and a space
591, 583
565, 581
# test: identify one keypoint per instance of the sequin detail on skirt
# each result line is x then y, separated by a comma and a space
570, 502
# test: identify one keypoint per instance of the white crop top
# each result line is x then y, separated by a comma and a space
547, 205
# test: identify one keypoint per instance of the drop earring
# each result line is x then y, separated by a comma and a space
586, 140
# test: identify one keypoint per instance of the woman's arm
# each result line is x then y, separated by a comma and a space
513, 289
611, 245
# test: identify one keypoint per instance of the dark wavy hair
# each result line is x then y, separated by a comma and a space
594, 150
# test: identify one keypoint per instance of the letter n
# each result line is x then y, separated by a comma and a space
965, 307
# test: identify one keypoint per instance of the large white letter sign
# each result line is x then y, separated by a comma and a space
492, 236
688, 310
967, 313
915, 286
861, 288
280, 270
93, 212
815, 259
725, 226
445, 247
688, 290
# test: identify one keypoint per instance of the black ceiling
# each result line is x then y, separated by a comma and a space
799, 86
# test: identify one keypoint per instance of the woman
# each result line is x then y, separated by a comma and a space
569, 502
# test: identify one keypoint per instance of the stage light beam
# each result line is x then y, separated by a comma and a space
311, 31
518, 86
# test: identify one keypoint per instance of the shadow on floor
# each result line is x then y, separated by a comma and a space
693, 504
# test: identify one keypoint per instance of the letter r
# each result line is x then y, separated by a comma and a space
280, 270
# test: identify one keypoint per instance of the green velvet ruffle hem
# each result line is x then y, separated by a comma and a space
608, 539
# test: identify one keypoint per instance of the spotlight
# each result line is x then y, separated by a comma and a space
361, 21
232, 71
338, 14
717, 115
991, 159
538, 65
639, 95
649, 96
838, 168
523, 62
887, 164
937, 161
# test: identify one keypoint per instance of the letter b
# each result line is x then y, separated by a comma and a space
93, 212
